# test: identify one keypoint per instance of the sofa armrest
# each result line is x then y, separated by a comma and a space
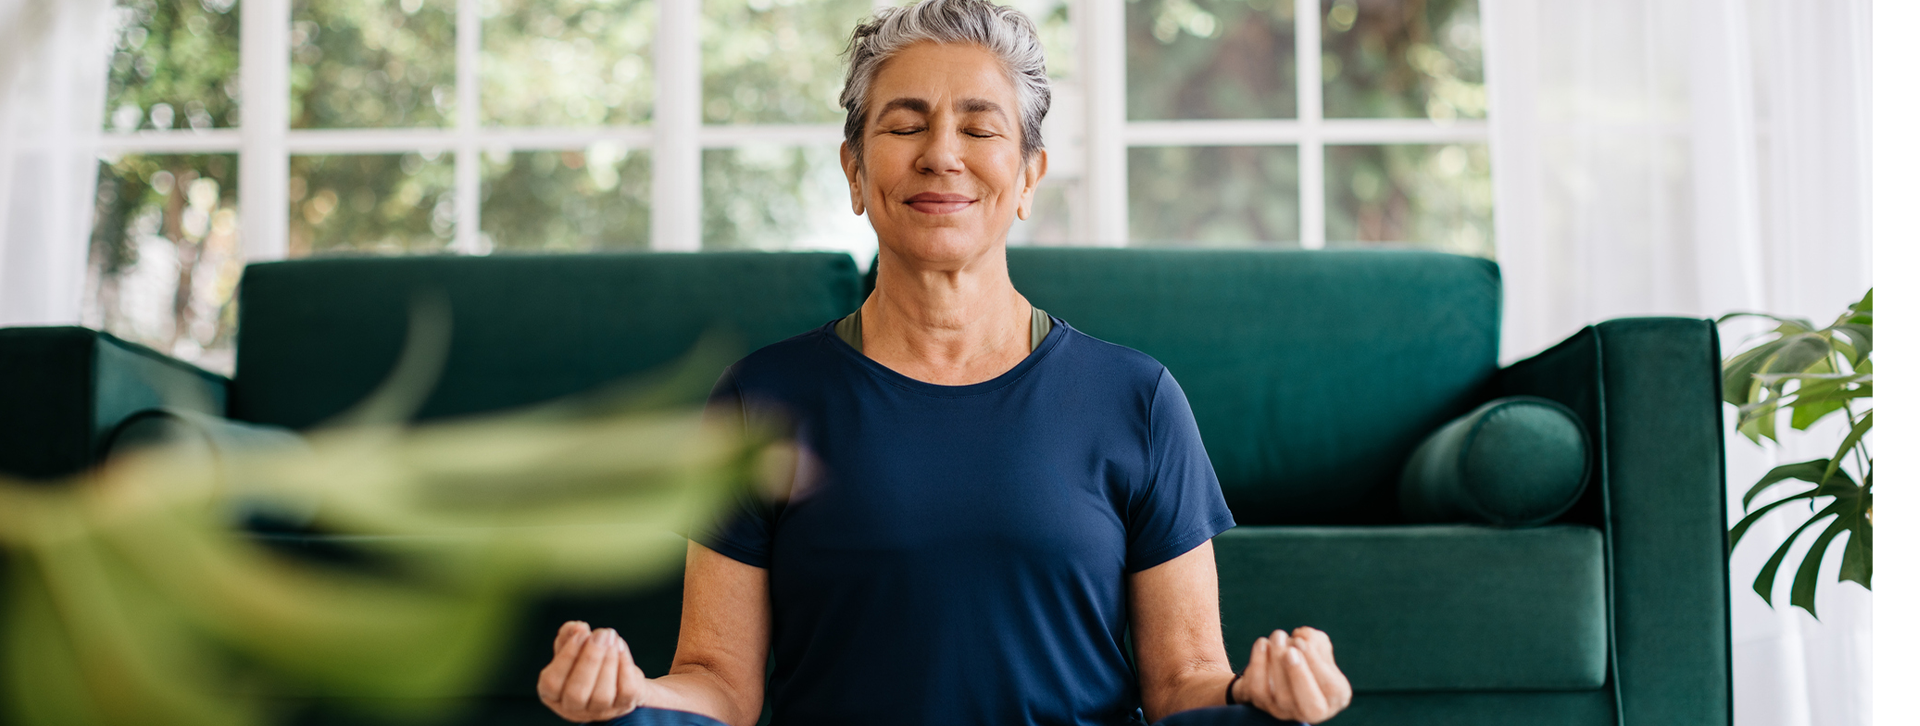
64, 389
1648, 389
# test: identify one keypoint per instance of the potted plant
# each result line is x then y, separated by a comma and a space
1807, 374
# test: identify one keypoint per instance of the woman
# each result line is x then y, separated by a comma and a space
988, 499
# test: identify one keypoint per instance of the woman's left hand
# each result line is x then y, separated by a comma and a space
1292, 676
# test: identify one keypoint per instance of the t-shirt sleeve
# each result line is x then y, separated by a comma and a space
743, 530
1179, 505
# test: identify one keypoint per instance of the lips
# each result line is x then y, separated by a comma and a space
937, 203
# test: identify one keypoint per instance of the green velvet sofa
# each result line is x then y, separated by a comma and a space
1313, 376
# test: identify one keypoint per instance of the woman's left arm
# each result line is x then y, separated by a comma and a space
1175, 608
1183, 664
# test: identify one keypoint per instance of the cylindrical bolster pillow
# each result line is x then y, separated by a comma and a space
205, 434
212, 442
1517, 461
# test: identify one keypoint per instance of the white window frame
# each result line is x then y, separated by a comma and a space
1096, 179
1109, 134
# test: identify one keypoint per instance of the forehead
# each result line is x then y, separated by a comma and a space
942, 74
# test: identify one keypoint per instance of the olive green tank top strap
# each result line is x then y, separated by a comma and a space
848, 329
1042, 324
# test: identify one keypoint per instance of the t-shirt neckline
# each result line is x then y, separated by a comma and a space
916, 385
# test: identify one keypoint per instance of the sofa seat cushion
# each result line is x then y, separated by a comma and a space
1427, 607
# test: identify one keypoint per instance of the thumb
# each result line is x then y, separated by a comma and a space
633, 685
626, 654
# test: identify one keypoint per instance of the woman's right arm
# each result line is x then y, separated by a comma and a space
719, 668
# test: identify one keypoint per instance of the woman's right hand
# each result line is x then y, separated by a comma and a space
592, 676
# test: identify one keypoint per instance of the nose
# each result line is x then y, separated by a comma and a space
941, 154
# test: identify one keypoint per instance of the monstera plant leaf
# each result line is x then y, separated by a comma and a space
1848, 504
1808, 374
131, 597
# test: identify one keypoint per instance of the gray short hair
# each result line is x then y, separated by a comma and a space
1005, 32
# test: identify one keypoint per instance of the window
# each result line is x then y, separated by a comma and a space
1306, 123
259, 129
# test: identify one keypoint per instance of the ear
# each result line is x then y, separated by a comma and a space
852, 168
1030, 182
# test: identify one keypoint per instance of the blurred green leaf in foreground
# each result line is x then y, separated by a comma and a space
130, 596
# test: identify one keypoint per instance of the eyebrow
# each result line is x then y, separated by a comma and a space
981, 105
916, 105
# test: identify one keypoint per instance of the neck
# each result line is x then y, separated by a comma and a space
947, 323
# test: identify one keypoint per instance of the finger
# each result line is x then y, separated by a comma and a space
1253, 680
1333, 683
608, 682
1260, 680
628, 694
1318, 643
1310, 704
569, 631
566, 649
1279, 685
579, 688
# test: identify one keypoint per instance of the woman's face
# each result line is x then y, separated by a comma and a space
943, 178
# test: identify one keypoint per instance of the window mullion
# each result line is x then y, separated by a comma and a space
676, 127
264, 25
1313, 185
466, 159
1104, 63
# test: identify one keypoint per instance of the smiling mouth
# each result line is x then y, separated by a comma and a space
932, 203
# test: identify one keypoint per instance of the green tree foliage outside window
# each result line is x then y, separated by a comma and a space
769, 197
1409, 59
1433, 196
166, 251
1164, 207
1210, 59
1415, 59
559, 201
774, 61
372, 64
370, 203
566, 62
175, 65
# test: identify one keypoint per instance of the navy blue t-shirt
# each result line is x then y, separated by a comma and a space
957, 554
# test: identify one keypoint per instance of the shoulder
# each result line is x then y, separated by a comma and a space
780, 365
1112, 362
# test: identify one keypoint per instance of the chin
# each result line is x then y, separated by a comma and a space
940, 245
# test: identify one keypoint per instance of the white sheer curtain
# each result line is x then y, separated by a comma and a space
1696, 157
53, 79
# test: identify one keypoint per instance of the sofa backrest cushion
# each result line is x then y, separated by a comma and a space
317, 336
1313, 375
